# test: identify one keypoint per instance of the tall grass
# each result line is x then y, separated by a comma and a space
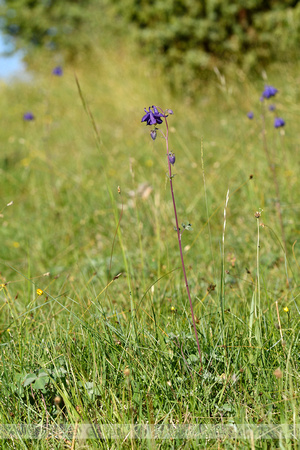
100, 347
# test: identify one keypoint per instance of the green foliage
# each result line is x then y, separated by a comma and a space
191, 37
188, 38
39, 380
55, 24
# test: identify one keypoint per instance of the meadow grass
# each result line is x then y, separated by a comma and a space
110, 338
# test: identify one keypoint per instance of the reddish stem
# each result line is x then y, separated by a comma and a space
179, 240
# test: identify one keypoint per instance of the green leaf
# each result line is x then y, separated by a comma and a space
30, 378
42, 373
40, 383
193, 358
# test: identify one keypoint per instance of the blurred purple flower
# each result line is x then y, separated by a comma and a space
269, 91
152, 117
272, 108
279, 122
250, 115
57, 71
28, 116
172, 158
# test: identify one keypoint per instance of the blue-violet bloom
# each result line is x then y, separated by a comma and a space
272, 108
152, 117
28, 116
279, 122
172, 158
57, 71
269, 92
250, 115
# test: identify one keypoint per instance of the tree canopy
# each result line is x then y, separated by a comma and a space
184, 37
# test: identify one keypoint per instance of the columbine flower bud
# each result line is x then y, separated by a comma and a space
172, 158
153, 134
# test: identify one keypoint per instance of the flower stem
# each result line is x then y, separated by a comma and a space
275, 181
180, 244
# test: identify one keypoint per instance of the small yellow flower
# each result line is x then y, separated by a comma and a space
39, 292
286, 309
149, 163
173, 309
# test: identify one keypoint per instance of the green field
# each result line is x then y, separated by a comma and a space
110, 339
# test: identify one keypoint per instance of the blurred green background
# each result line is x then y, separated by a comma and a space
185, 38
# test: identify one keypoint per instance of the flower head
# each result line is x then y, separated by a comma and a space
126, 372
286, 309
57, 71
152, 117
279, 122
39, 292
278, 373
28, 116
250, 115
272, 108
269, 91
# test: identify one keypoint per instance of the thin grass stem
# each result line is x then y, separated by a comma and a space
272, 168
257, 309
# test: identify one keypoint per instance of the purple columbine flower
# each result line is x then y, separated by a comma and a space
272, 108
250, 115
152, 117
28, 116
279, 122
172, 158
57, 71
269, 91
